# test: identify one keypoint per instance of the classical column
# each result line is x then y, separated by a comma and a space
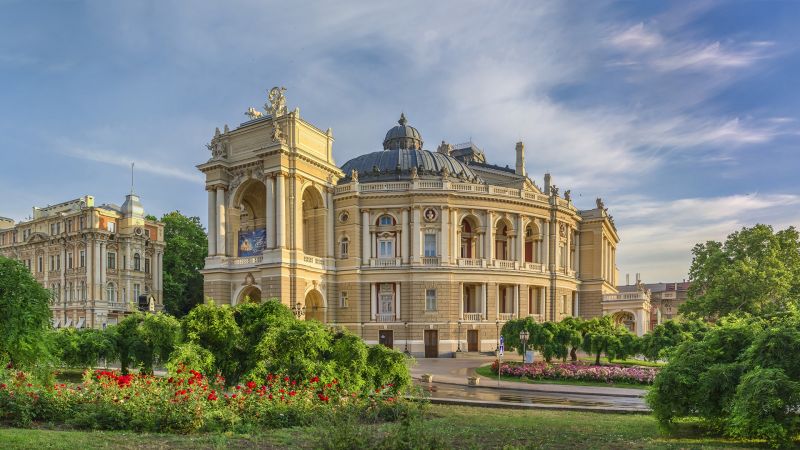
373, 300
212, 222
577, 254
221, 231
516, 300
102, 271
489, 247
546, 246
415, 232
366, 246
576, 307
542, 301
445, 235
270, 212
397, 301
331, 223
520, 241
461, 301
404, 236
485, 300
455, 244
280, 211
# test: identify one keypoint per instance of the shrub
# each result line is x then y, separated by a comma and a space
765, 406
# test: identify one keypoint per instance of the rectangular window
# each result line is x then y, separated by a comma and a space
136, 292
83, 222
41, 264
58, 262
111, 261
52, 263
82, 259
147, 233
147, 265
386, 298
69, 226
112, 227
430, 245
69, 260
124, 262
343, 300
430, 299
386, 248
344, 247
83, 290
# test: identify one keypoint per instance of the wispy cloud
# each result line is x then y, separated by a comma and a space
117, 159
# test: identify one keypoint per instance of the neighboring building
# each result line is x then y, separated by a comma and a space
96, 260
665, 299
423, 251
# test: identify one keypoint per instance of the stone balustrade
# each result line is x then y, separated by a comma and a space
472, 316
385, 317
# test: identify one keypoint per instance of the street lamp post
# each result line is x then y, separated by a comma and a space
459, 337
497, 328
523, 338
406, 327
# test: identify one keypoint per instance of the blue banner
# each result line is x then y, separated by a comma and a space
252, 243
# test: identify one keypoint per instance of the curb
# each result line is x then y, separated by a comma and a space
485, 386
528, 406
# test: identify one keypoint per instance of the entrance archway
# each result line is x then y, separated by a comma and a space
314, 216
315, 306
251, 294
626, 319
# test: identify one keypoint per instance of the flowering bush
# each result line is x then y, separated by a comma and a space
187, 402
580, 372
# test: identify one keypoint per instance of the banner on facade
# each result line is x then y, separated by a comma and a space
253, 242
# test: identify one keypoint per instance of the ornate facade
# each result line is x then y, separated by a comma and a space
424, 251
96, 260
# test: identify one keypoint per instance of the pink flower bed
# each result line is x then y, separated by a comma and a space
580, 372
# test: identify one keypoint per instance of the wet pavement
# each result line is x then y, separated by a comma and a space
450, 385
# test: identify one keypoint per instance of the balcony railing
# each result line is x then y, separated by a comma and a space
470, 262
430, 261
624, 296
384, 262
504, 264
505, 316
472, 316
385, 317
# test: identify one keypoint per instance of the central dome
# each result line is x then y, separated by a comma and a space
405, 164
402, 136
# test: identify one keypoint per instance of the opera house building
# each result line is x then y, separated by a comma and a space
428, 251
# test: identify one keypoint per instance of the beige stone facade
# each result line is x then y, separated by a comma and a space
426, 251
95, 260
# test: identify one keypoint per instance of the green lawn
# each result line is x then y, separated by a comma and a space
486, 371
454, 426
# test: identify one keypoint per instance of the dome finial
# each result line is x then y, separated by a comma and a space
402, 120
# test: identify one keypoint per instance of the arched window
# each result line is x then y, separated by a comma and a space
344, 247
385, 220
111, 292
468, 240
137, 262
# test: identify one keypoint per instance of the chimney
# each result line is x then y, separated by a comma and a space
520, 167
547, 184
638, 278
627, 279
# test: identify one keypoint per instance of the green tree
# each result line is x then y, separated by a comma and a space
144, 339
600, 335
667, 336
571, 335
24, 316
81, 348
184, 256
214, 328
755, 271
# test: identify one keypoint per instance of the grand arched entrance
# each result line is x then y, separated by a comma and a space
250, 294
314, 216
248, 218
626, 319
315, 306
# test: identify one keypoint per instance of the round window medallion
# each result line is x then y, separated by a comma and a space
430, 214
343, 217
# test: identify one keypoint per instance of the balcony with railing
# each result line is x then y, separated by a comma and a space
505, 316
473, 316
430, 261
470, 262
385, 262
385, 317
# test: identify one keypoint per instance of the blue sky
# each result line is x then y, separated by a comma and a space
683, 116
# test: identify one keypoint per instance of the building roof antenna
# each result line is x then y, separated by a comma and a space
132, 163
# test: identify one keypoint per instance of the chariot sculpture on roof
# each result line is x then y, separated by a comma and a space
276, 106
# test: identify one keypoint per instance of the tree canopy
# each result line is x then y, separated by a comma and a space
24, 315
755, 271
184, 256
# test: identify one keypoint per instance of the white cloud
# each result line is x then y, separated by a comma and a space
117, 159
637, 38
658, 236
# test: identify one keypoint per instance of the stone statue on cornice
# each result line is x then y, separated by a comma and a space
277, 102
